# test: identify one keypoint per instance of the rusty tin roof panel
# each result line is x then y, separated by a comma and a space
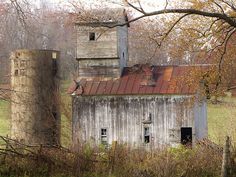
94, 88
101, 88
164, 80
87, 87
130, 84
109, 86
115, 87
123, 84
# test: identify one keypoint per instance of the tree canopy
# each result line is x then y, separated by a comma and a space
206, 29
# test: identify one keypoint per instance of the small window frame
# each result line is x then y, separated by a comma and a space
146, 135
92, 36
104, 136
16, 72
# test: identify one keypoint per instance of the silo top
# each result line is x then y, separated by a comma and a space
30, 52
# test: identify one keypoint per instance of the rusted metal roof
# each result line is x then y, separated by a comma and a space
141, 80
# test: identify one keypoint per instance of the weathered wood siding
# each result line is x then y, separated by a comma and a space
123, 117
102, 68
104, 45
104, 57
123, 46
200, 119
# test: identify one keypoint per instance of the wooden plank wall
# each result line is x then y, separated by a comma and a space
104, 46
123, 117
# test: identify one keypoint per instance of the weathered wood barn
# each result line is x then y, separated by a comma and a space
141, 105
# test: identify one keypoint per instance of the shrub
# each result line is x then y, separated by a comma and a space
119, 161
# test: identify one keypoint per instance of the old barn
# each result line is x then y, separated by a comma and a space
142, 105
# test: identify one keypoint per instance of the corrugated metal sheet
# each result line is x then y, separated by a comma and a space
167, 80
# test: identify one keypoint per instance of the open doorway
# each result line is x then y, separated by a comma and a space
186, 136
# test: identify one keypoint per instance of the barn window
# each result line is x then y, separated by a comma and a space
16, 72
104, 136
92, 36
186, 136
146, 135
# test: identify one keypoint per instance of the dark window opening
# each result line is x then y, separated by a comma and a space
104, 136
16, 72
146, 135
92, 36
186, 136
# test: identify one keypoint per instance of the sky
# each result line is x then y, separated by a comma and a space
148, 5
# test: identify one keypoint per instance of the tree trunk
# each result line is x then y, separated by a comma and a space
225, 171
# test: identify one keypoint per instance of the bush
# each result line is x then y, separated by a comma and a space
119, 161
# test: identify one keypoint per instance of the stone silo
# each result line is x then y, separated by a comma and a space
35, 115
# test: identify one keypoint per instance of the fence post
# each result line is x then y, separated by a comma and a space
112, 157
225, 170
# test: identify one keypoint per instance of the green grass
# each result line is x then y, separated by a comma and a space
4, 118
66, 125
221, 118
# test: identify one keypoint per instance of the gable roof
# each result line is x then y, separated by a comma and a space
103, 17
140, 80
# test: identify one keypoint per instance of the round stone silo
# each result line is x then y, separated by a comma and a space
35, 115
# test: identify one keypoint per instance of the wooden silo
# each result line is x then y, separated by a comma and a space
35, 115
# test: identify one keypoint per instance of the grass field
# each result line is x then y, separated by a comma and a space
4, 118
221, 118
66, 127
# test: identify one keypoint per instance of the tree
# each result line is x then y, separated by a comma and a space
203, 27
42, 28
190, 32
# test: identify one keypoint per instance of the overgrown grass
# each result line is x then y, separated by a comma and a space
66, 117
222, 120
120, 161
4, 118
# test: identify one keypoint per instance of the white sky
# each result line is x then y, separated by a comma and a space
148, 5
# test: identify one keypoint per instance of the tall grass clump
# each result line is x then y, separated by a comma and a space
117, 161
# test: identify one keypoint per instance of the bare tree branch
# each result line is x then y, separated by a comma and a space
228, 37
220, 16
229, 5
222, 10
172, 27
140, 9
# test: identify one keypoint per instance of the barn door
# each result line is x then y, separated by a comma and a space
186, 135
